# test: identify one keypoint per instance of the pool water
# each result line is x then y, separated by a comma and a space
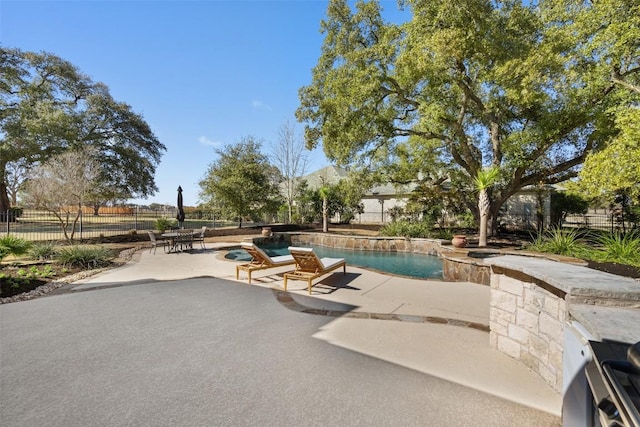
399, 263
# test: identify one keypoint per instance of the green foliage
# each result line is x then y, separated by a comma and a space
620, 248
616, 247
560, 241
49, 106
242, 183
35, 272
43, 251
86, 257
616, 168
564, 203
467, 220
486, 178
163, 224
11, 245
308, 204
408, 229
522, 86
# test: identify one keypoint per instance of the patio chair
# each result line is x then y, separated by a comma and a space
200, 236
310, 267
260, 260
184, 239
155, 242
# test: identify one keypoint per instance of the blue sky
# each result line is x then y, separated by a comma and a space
203, 73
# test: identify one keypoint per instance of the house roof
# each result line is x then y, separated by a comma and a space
333, 174
329, 174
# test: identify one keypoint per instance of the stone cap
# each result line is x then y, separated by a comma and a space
609, 323
576, 282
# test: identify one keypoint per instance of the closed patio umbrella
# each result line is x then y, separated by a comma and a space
180, 216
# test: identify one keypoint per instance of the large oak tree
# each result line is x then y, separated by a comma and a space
606, 34
47, 107
467, 85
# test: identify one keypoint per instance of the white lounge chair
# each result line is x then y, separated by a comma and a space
310, 267
260, 260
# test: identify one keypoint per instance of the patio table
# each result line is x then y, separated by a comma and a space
180, 239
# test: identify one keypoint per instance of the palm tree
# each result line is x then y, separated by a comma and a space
483, 181
324, 193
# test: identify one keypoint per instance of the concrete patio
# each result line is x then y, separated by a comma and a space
435, 329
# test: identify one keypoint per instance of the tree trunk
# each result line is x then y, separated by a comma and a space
325, 215
483, 206
484, 220
5, 204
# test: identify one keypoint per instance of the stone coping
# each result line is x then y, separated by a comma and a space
574, 281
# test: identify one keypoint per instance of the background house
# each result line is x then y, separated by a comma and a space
519, 212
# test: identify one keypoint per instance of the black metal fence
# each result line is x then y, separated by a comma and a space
604, 220
42, 225
38, 225
607, 221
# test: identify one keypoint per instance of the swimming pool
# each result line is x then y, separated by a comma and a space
399, 263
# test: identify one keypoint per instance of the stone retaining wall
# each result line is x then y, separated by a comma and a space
460, 267
364, 243
526, 322
533, 300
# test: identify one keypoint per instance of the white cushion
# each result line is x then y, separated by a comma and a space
330, 262
282, 259
299, 249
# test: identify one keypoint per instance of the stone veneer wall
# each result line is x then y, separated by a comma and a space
459, 267
526, 322
364, 243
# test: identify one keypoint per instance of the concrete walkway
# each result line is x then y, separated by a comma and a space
424, 341
104, 329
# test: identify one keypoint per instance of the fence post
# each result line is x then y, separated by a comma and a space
6, 216
80, 224
612, 226
135, 219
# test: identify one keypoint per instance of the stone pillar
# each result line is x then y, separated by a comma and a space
527, 322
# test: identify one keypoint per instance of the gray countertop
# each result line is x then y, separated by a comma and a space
608, 323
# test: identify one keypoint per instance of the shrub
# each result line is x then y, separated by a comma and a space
86, 257
620, 248
566, 203
11, 245
163, 224
560, 241
43, 251
406, 229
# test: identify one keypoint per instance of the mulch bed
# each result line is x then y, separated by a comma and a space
13, 284
617, 269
